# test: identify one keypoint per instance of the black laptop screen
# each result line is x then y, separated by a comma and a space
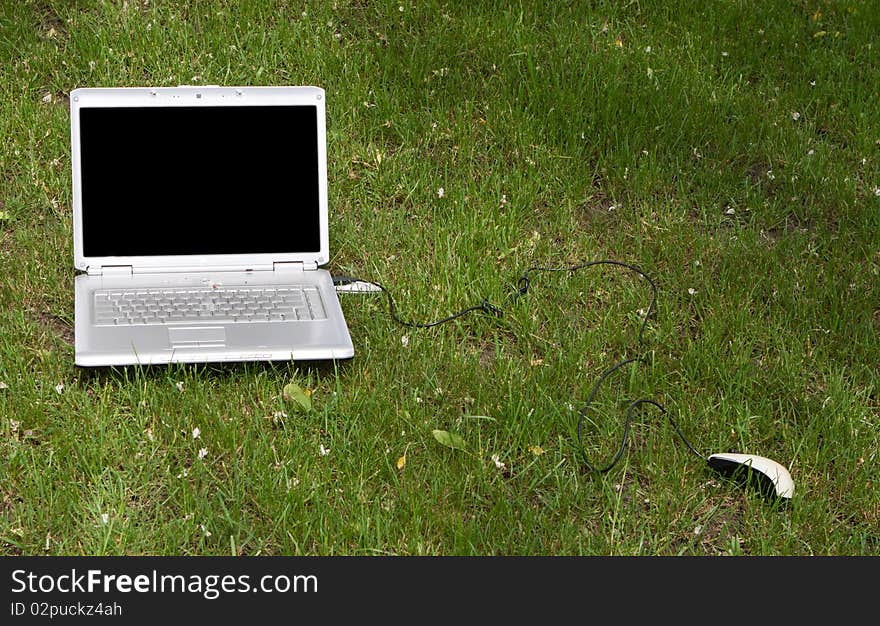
199, 180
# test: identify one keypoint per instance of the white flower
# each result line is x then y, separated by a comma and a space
323, 451
698, 529
13, 424
730, 211
877, 191
59, 387
205, 530
180, 386
47, 98
724, 54
795, 115
692, 291
196, 432
404, 340
770, 174
105, 517
400, 8
648, 49
441, 192
3, 385
496, 460
150, 435
811, 152
203, 452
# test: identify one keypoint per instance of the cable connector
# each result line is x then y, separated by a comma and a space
341, 280
349, 284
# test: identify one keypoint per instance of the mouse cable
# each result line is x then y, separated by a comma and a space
485, 306
522, 288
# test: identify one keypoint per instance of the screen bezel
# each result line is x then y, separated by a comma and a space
194, 97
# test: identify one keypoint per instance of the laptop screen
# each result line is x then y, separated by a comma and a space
199, 180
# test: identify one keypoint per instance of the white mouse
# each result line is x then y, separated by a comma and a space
774, 477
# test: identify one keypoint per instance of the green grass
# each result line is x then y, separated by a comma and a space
732, 149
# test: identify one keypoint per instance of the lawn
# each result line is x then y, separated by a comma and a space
730, 149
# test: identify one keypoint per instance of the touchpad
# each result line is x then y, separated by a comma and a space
197, 336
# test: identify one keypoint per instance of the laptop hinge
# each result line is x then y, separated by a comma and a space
110, 270
297, 266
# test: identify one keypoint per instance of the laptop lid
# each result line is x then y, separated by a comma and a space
199, 177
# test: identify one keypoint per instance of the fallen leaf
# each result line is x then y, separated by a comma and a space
536, 450
401, 462
294, 393
450, 440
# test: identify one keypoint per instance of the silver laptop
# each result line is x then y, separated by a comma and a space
200, 226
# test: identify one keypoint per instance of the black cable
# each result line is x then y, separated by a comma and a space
524, 282
522, 288
485, 306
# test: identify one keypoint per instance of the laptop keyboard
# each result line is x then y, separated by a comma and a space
221, 305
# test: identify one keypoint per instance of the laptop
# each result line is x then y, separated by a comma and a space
200, 226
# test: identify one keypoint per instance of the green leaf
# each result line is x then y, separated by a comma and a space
301, 399
450, 440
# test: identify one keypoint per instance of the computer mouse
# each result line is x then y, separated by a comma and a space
770, 476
